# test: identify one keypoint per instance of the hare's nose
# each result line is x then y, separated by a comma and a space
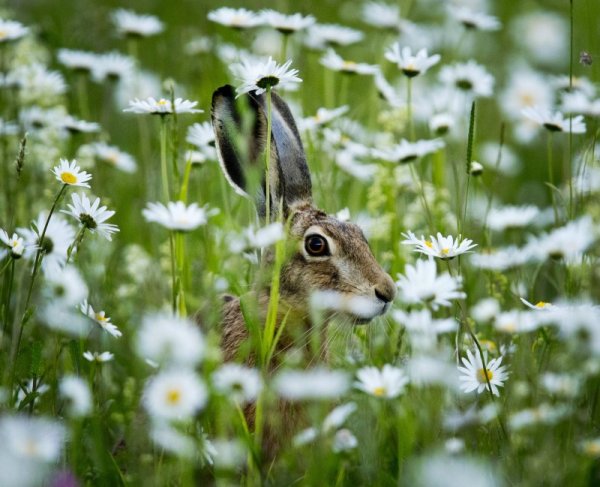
385, 293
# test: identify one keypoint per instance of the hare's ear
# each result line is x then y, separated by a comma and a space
241, 145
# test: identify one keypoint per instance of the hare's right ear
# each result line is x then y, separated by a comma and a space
241, 143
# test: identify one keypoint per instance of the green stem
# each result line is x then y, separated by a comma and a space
11, 277
163, 158
411, 128
551, 176
82, 95
570, 161
180, 257
268, 160
174, 291
284, 43
76, 242
36, 267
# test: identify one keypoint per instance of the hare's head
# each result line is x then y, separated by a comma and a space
333, 258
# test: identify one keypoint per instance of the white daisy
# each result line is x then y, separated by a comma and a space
381, 14
500, 219
132, 24
15, 245
423, 329
344, 441
468, 77
502, 258
112, 66
177, 216
338, 416
201, 134
537, 306
316, 383
322, 117
388, 382
286, 24
445, 248
77, 60
77, 393
162, 106
257, 76
406, 151
515, 322
238, 18
114, 156
579, 103
76, 126
11, 30
38, 85
335, 62
169, 339
59, 235
411, 65
566, 242
320, 36
473, 375
555, 122
422, 285
32, 438
474, 20
442, 123
174, 394
69, 173
100, 318
91, 215
66, 287
98, 357
238, 382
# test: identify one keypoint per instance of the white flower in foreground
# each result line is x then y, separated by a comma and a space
474, 20
162, 106
335, 62
114, 156
238, 18
406, 151
169, 339
579, 103
240, 383
59, 235
286, 24
555, 122
258, 76
468, 77
91, 215
98, 357
450, 470
130, 23
15, 245
11, 30
77, 392
540, 305
360, 307
66, 286
411, 65
259, 238
502, 258
174, 394
169, 438
445, 248
32, 438
515, 322
177, 216
100, 318
388, 382
422, 285
424, 370
317, 383
473, 375
69, 173
500, 219
381, 14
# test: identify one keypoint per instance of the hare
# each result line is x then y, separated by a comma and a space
330, 255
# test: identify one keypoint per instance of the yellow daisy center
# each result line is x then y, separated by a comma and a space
541, 304
100, 317
2, 34
173, 397
15, 243
31, 448
592, 448
349, 65
68, 178
445, 251
379, 391
162, 102
481, 374
428, 243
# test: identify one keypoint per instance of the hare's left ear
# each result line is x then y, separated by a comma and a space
241, 145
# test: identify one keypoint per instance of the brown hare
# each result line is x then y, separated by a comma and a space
329, 255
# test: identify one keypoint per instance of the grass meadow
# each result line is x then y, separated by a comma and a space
485, 370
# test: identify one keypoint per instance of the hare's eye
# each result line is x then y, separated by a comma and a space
316, 245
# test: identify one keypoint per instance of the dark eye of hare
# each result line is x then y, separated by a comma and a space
316, 245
